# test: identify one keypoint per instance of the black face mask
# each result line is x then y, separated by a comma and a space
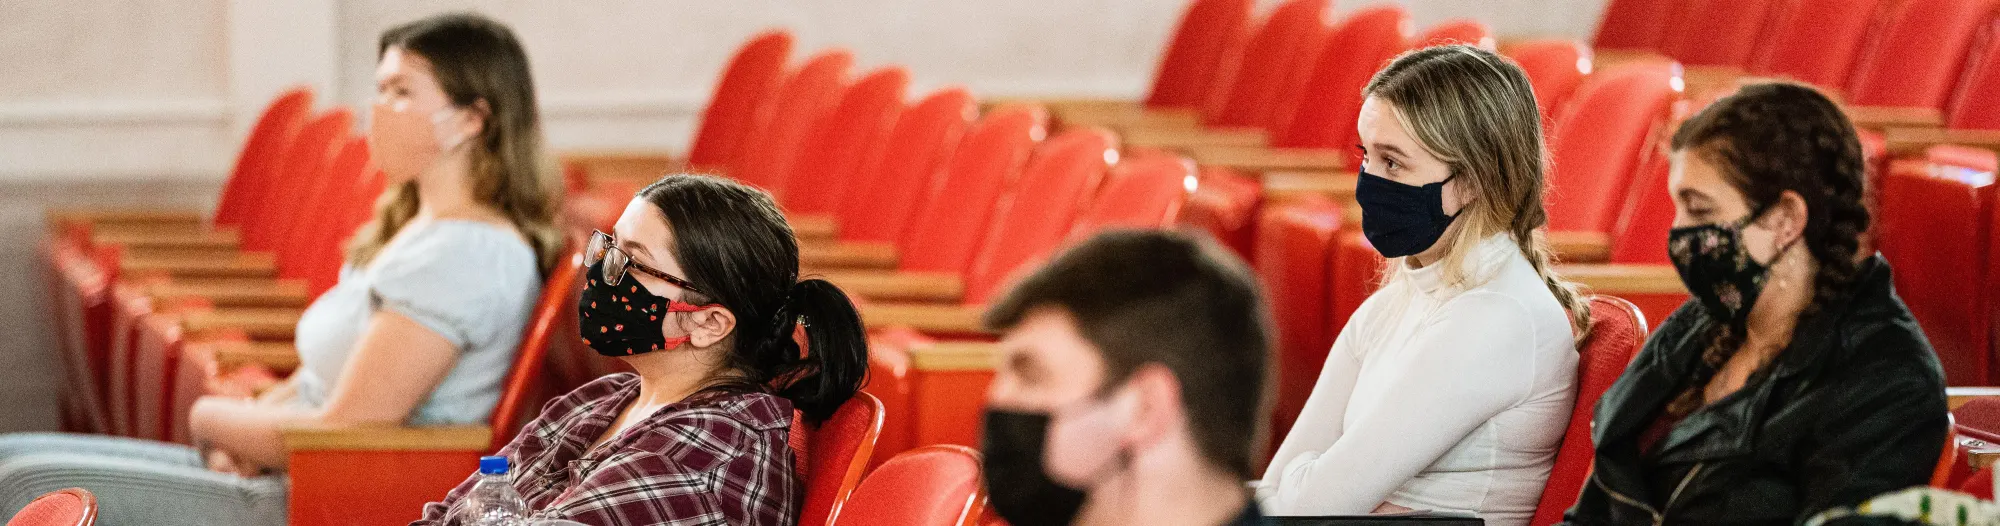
624, 319
1717, 271
1017, 484
1399, 219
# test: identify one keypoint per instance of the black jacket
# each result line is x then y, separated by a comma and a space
1853, 408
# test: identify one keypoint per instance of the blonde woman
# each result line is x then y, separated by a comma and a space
422, 325
1449, 388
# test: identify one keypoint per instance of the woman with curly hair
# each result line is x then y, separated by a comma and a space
1794, 381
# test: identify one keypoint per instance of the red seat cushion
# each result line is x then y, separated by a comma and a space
70, 507
1617, 331
933, 485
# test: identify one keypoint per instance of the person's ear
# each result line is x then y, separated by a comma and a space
474, 121
1786, 220
1156, 410
710, 325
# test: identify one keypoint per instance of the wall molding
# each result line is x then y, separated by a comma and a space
214, 111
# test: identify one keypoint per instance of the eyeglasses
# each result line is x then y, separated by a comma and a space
616, 261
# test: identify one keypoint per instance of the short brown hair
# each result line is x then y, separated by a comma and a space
1146, 297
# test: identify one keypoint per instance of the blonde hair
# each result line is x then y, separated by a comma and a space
478, 61
1475, 111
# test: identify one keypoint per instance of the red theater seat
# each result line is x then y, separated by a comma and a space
743, 93
1617, 332
880, 201
1815, 41
927, 486
1908, 67
1197, 67
1293, 258
838, 453
1936, 223
1461, 31
854, 132
1633, 24
65, 507
1719, 32
1599, 141
1555, 67
767, 156
1269, 69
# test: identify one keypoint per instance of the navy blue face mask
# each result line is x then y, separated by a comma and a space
1400, 219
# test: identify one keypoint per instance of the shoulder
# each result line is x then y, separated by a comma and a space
457, 248
715, 431
603, 388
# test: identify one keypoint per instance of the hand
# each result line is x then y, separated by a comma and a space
1391, 508
220, 461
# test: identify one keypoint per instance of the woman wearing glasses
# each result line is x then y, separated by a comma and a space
699, 292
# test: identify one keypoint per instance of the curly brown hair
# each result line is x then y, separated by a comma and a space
1769, 139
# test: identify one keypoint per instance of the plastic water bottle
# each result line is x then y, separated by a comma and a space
492, 501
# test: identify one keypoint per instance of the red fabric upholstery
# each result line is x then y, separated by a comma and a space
840, 450
746, 86
1914, 58
1139, 193
80, 282
1641, 232
882, 197
1323, 112
1617, 331
1459, 31
1294, 246
1555, 67
852, 134
765, 158
1979, 484
1979, 413
927, 486
1196, 59
256, 172
315, 254
1225, 204
1271, 64
1633, 24
1034, 215
66, 507
1720, 32
1357, 272
1815, 41
1599, 140
299, 166
1979, 84
1935, 230
552, 323
889, 380
947, 230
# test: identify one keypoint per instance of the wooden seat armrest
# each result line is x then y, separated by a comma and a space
233, 293
1338, 185
1186, 139
624, 165
848, 255
1127, 116
1580, 247
1958, 396
931, 287
1914, 140
943, 319
388, 438
106, 215
955, 356
1261, 160
814, 227
278, 357
1619, 278
1056, 102
258, 323
197, 263
1713, 76
197, 237
1880, 117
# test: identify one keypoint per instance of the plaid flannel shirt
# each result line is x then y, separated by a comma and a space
723, 459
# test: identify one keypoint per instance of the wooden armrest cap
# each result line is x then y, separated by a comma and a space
388, 438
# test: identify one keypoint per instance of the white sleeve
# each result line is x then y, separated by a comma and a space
1474, 360
1320, 420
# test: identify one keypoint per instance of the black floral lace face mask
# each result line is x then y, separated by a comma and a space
1718, 272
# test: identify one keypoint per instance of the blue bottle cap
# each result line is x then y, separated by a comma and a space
494, 465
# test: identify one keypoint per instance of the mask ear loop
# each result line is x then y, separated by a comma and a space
672, 307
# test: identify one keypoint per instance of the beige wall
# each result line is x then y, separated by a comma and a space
145, 101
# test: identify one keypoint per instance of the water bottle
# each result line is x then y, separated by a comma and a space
492, 500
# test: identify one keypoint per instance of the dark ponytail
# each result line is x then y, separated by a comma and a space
732, 240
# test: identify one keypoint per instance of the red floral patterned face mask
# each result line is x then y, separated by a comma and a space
624, 319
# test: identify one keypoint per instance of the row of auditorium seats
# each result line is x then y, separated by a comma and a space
924, 209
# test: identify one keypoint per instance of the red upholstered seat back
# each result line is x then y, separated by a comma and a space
1322, 114
1271, 64
931, 485
1199, 52
883, 196
1599, 140
1294, 245
1935, 230
1555, 67
1720, 32
1617, 332
1815, 41
256, 166
1974, 106
839, 452
765, 158
948, 228
552, 323
1913, 59
287, 201
746, 86
1459, 31
840, 145
1034, 215
1633, 24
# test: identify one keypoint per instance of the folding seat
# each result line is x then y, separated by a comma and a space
1316, 131
1907, 69
1815, 41
336, 472
1555, 67
1459, 31
1247, 109
872, 214
1633, 24
1936, 226
242, 193
1617, 332
64, 507
838, 452
1225, 203
1293, 260
1972, 118
889, 375
804, 100
855, 131
745, 89
952, 212
1198, 62
80, 279
1637, 269
1719, 33
1597, 145
928, 486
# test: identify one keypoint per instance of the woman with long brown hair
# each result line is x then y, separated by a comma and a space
1449, 387
421, 327
1794, 381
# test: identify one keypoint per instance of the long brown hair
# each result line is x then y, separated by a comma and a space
1475, 110
477, 59
1768, 139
